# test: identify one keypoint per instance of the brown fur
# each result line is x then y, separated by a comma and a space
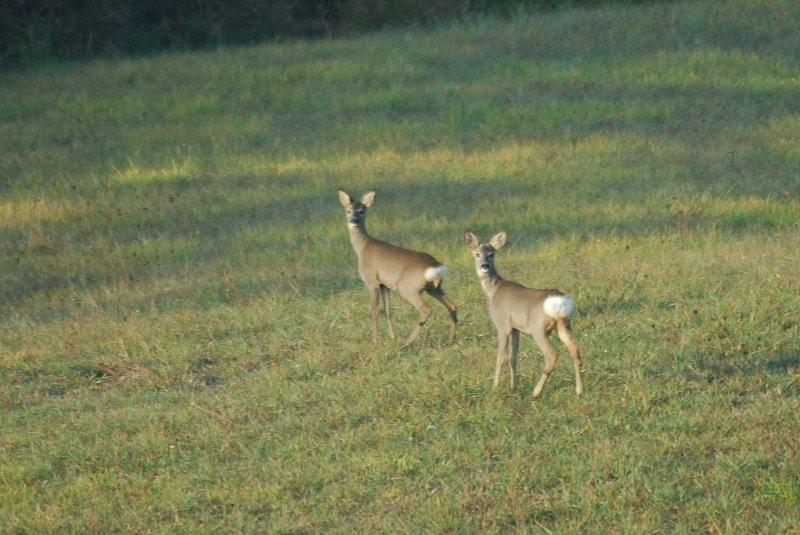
385, 267
514, 309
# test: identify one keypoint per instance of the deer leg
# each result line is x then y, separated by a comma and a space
448, 303
373, 310
502, 346
415, 298
385, 296
550, 359
512, 362
565, 334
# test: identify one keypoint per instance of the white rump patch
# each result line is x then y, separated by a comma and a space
558, 306
432, 274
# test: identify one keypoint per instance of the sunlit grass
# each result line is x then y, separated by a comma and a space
184, 336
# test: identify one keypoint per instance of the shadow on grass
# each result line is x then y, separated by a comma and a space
240, 221
474, 106
280, 217
714, 371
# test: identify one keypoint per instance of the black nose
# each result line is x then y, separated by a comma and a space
484, 266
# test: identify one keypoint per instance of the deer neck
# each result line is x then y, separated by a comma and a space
489, 282
358, 238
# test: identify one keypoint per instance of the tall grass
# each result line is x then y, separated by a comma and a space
184, 338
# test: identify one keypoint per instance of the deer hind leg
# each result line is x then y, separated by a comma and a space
550, 360
385, 296
512, 361
502, 354
373, 310
415, 298
448, 303
565, 334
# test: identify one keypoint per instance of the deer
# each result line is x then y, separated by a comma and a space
515, 308
385, 267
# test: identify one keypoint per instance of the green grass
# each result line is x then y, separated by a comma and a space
184, 340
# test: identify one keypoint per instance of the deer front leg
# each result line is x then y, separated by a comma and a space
512, 362
502, 346
373, 310
385, 296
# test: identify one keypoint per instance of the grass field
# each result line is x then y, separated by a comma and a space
184, 339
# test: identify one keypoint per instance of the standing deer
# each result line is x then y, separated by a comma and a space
514, 308
385, 267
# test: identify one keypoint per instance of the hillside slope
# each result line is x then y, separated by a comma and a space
184, 340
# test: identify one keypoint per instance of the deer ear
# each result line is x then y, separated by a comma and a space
345, 199
368, 198
498, 240
472, 240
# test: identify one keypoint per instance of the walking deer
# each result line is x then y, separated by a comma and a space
514, 308
385, 267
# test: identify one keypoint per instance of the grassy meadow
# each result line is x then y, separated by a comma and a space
184, 339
